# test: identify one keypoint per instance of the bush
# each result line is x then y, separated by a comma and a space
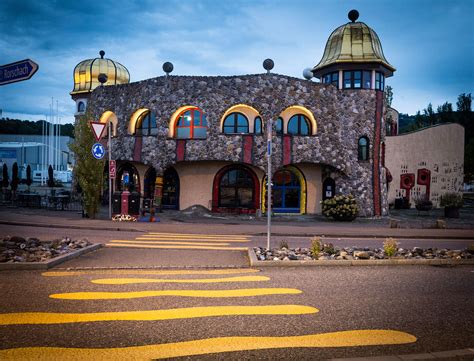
390, 246
423, 202
341, 208
452, 199
284, 244
316, 246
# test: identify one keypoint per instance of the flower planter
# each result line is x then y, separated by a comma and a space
451, 212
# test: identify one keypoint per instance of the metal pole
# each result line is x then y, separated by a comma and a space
269, 182
110, 158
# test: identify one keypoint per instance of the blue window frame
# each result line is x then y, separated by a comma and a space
379, 81
332, 78
236, 123
286, 192
279, 126
363, 149
299, 125
146, 124
257, 128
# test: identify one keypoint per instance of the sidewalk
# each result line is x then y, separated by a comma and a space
204, 223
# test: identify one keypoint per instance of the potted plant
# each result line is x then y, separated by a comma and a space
423, 203
451, 203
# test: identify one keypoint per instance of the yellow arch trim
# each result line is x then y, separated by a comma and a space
298, 109
302, 180
174, 118
244, 109
134, 118
109, 116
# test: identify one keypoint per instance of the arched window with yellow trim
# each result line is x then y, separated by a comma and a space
146, 124
191, 123
236, 123
299, 125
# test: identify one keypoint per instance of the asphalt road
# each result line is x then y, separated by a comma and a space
97, 236
433, 304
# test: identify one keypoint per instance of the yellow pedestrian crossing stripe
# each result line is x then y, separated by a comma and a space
352, 338
47, 318
176, 246
151, 272
168, 242
198, 235
127, 281
189, 239
241, 292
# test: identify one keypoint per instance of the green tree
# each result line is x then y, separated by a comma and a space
429, 114
469, 161
445, 113
388, 95
88, 171
464, 102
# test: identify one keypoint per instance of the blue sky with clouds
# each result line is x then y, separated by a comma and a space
430, 42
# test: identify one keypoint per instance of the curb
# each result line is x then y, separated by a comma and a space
254, 262
16, 266
257, 234
451, 354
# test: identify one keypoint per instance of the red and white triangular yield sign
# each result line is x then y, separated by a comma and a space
98, 129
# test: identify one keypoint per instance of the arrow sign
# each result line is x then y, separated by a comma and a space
98, 151
19, 71
97, 129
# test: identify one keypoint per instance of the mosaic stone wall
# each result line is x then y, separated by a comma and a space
342, 117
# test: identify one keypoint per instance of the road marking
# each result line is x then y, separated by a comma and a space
150, 272
245, 292
213, 345
47, 318
167, 242
126, 281
177, 247
190, 239
198, 235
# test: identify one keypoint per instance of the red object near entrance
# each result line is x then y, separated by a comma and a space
125, 196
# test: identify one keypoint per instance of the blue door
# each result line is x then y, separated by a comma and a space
286, 192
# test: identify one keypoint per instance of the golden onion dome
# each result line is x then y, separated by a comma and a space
353, 43
86, 74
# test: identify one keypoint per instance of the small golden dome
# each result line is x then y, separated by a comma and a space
86, 74
353, 42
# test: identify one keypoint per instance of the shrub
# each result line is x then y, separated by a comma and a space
390, 246
423, 202
329, 248
284, 244
316, 246
452, 199
341, 208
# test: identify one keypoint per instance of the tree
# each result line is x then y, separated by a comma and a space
388, 95
29, 180
445, 113
15, 180
5, 181
88, 170
464, 102
50, 176
469, 161
429, 114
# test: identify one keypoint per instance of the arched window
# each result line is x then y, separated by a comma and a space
191, 124
146, 124
236, 123
279, 126
363, 148
81, 107
257, 129
127, 178
286, 192
299, 125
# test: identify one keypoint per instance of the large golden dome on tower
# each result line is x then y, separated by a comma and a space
353, 43
86, 74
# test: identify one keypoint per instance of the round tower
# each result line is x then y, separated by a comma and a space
353, 58
91, 73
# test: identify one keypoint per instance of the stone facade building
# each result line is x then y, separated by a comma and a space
187, 140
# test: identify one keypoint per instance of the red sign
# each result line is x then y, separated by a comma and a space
112, 169
97, 129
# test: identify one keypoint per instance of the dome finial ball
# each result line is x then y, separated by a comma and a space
102, 53
353, 15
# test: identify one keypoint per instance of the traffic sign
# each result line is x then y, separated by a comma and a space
97, 129
98, 151
112, 169
18, 71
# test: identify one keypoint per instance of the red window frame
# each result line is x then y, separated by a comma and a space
191, 126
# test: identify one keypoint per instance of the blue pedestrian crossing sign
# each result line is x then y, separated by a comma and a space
98, 151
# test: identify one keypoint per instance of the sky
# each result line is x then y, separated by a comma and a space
429, 42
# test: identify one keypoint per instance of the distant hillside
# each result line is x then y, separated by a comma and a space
26, 127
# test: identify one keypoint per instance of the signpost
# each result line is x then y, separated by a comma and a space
269, 181
18, 71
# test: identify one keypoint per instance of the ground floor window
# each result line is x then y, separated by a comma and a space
286, 192
170, 198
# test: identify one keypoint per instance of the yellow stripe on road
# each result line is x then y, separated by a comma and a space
213, 345
167, 242
192, 239
177, 247
246, 292
126, 281
151, 272
46, 318
197, 235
